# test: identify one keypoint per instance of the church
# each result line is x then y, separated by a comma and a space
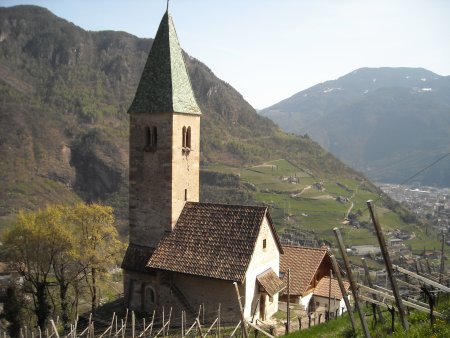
183, 253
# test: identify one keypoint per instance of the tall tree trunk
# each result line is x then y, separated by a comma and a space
63, 288
94, 289
43, 308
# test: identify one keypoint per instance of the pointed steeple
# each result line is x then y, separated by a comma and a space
165, 86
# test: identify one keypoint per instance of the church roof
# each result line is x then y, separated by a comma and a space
165, 86
303, 263
212, 240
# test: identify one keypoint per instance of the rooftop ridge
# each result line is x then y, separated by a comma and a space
229, 205
304, 247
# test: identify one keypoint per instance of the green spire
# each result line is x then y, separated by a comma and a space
165, 86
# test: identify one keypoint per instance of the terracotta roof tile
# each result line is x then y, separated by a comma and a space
212, 240
136, 258
303, 263
323, 287
270, 282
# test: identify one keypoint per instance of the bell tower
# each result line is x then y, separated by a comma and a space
164, 141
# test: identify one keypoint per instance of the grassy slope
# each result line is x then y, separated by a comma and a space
419, 328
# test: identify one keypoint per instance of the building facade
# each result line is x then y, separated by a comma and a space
183, 253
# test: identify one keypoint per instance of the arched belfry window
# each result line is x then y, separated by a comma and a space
151, 138
188, 137
186, 141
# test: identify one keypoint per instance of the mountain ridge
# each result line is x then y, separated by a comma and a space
373, 118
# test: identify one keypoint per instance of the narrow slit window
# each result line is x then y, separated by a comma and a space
264, 243
185, 194
154, 136
151, 138
184, 137
148, 137
188, 137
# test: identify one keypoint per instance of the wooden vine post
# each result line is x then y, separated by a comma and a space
389, 269
352, 281
337, 272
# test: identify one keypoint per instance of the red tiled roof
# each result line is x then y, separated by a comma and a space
212, 240
303, 263
136, 258
270, 282
323, 287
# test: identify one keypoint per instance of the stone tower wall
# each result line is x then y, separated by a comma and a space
159, 176
150, 179
185, 164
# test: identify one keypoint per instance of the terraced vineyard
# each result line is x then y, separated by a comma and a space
301, 201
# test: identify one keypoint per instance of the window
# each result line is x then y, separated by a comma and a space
149, 295
264, 243
154, 136
185, 194
151, 138
148, 137
186, 140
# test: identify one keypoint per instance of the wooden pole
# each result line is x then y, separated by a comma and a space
329, 297
421, 266
334, 307
133, 323
352, 282
163, 322
428, 266
288, 310
389, 270
337, 272
421, 278
244, 328
166, 331
369, 281
182, 323
442, 267
218, 322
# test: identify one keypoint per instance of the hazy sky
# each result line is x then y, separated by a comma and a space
270, 49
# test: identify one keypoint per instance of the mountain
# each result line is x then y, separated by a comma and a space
387, 122
64, 94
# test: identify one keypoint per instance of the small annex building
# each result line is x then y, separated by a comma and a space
183, 253
320, 300
307, 267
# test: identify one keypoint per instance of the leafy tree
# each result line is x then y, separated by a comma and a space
62, 246
98, 243
32, 244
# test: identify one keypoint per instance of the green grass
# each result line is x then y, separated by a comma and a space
333, 328
419, 327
